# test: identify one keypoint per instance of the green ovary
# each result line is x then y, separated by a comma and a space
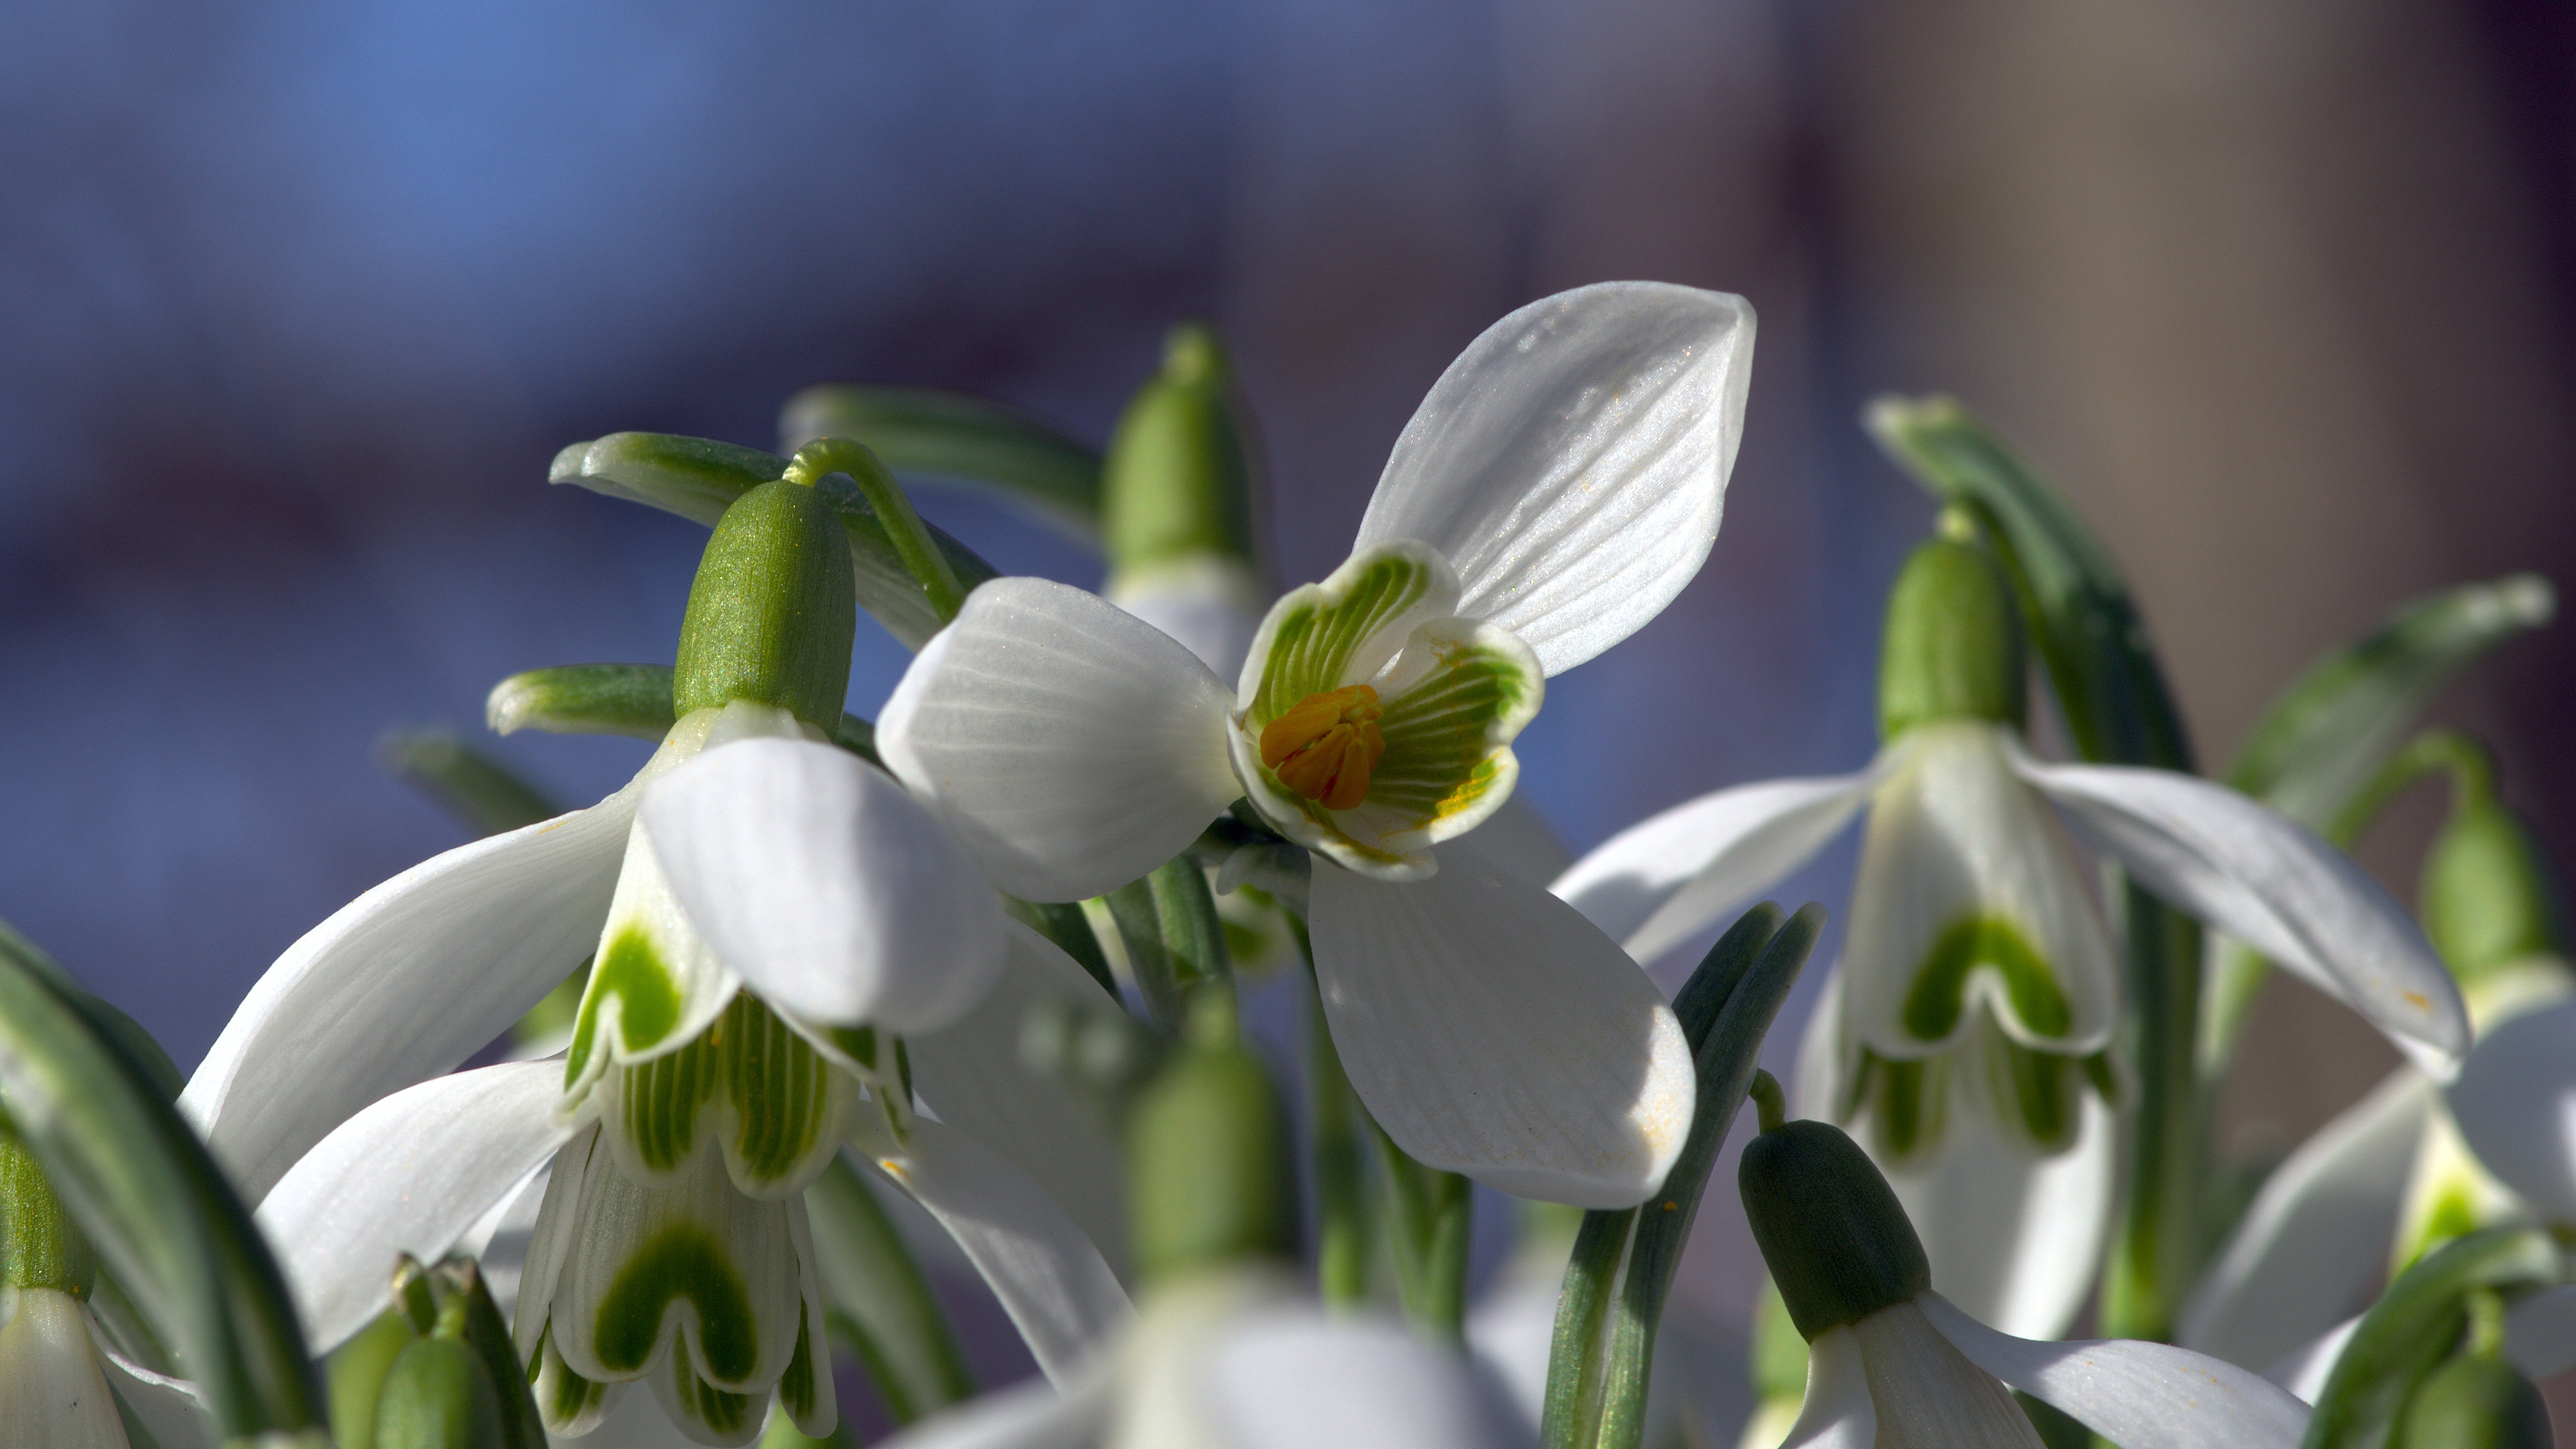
683, 1260
1934, 1006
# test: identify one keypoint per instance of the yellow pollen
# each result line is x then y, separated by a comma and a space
1326, 744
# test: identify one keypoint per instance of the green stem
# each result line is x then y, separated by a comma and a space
2156, 1248
1770, 1107
1175, 940
1428, 1215
1334, 1153
879, 1302
903, 526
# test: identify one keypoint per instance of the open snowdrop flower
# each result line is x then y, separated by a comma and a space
1892, 1364
767, 914
1967, 1020
1559, 485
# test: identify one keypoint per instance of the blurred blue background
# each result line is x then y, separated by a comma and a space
301, 297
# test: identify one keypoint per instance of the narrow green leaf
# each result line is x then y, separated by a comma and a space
1333, 1149
697, 479
878, 1299
1726, 1058
1578, 1365
959, 436
1174, 938
1069, 927
584, 699
153, 1203
2417, 1324
484, 795
1427, 1216
2326, 734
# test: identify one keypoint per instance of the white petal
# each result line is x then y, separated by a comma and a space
2540, 1333
50, 1383
1030, 1416
499, 1240
1493, 1031
837, 896
1670, 876
1572, 462
1210, 605
1518, 839
973, 1075
2515, 1102
1054, 1284
2139, 1395
2015, 1241
1294, 1377
1837, 1413
408, 1175
1953, 836
402, 984
2270, 882
2315, 1241
170, 1409
2302, 1373
1070, 746
1927, 1394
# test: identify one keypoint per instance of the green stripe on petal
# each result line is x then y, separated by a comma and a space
570, 1404
656, 984
1323, 636
779, 1105
1939, 995
694, 1403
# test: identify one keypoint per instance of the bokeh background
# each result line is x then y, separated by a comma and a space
300, 297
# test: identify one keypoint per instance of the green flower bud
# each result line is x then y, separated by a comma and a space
437, 1397
1953, 647
1177, 482
2488, 897
436, 1369
1208, 1174
357, 1373
774, 610
40, 1245
2475, 1401
1830, 1228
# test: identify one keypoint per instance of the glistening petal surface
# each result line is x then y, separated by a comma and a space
1069, 745
2138, 1395
2014, 1240
2259, 876
2515, 1102
1493, 1031
410, 1174
1670, 876
1572, 462
1054, 1284
402, 984
2315, 1241
835, 895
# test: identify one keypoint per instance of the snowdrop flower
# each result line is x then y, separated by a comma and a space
2393, 1178
1967, 1021
1892, 1365
1558, 486
765, 912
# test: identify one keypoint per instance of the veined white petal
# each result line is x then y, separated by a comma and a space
1293, 1376
56, 1397
500, 1239
1493, 1031
2540, 1333
402, 984
972, 1074
550, 1241
2014, 1240
170, 1409
1955, 845
1052, 1281
1210, 605
632, 1421
1927, 1394
1070, 746
2270, 882
1670, 876
2302, 1373
1572, 462
2138, 1395
1837, 1413
837, 896
408, 1175
2314, 1243
655, 984
2515, 1102
1030, 1416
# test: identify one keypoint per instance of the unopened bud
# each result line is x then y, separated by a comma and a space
1177, 481
2488, 895
1837, 1241
2475, 1401
436, 1370
1208, 1174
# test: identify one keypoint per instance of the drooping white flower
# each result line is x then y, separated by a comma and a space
1559, 485
1976, 982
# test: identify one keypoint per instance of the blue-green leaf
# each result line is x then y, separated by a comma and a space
956, 435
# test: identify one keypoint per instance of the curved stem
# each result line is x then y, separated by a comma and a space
904, 529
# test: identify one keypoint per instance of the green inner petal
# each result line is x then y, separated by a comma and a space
1939, 997
564, 1398
796, 1386
648, 996
683, 1260
778, 1091
2043, 1090
1441, 751
1316, 639
720, 1411
1908, 1103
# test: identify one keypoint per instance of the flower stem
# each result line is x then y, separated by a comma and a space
1430, 1214
903, 526
1334, 1156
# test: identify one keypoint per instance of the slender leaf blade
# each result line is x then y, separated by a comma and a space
879, 1300
956, 435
